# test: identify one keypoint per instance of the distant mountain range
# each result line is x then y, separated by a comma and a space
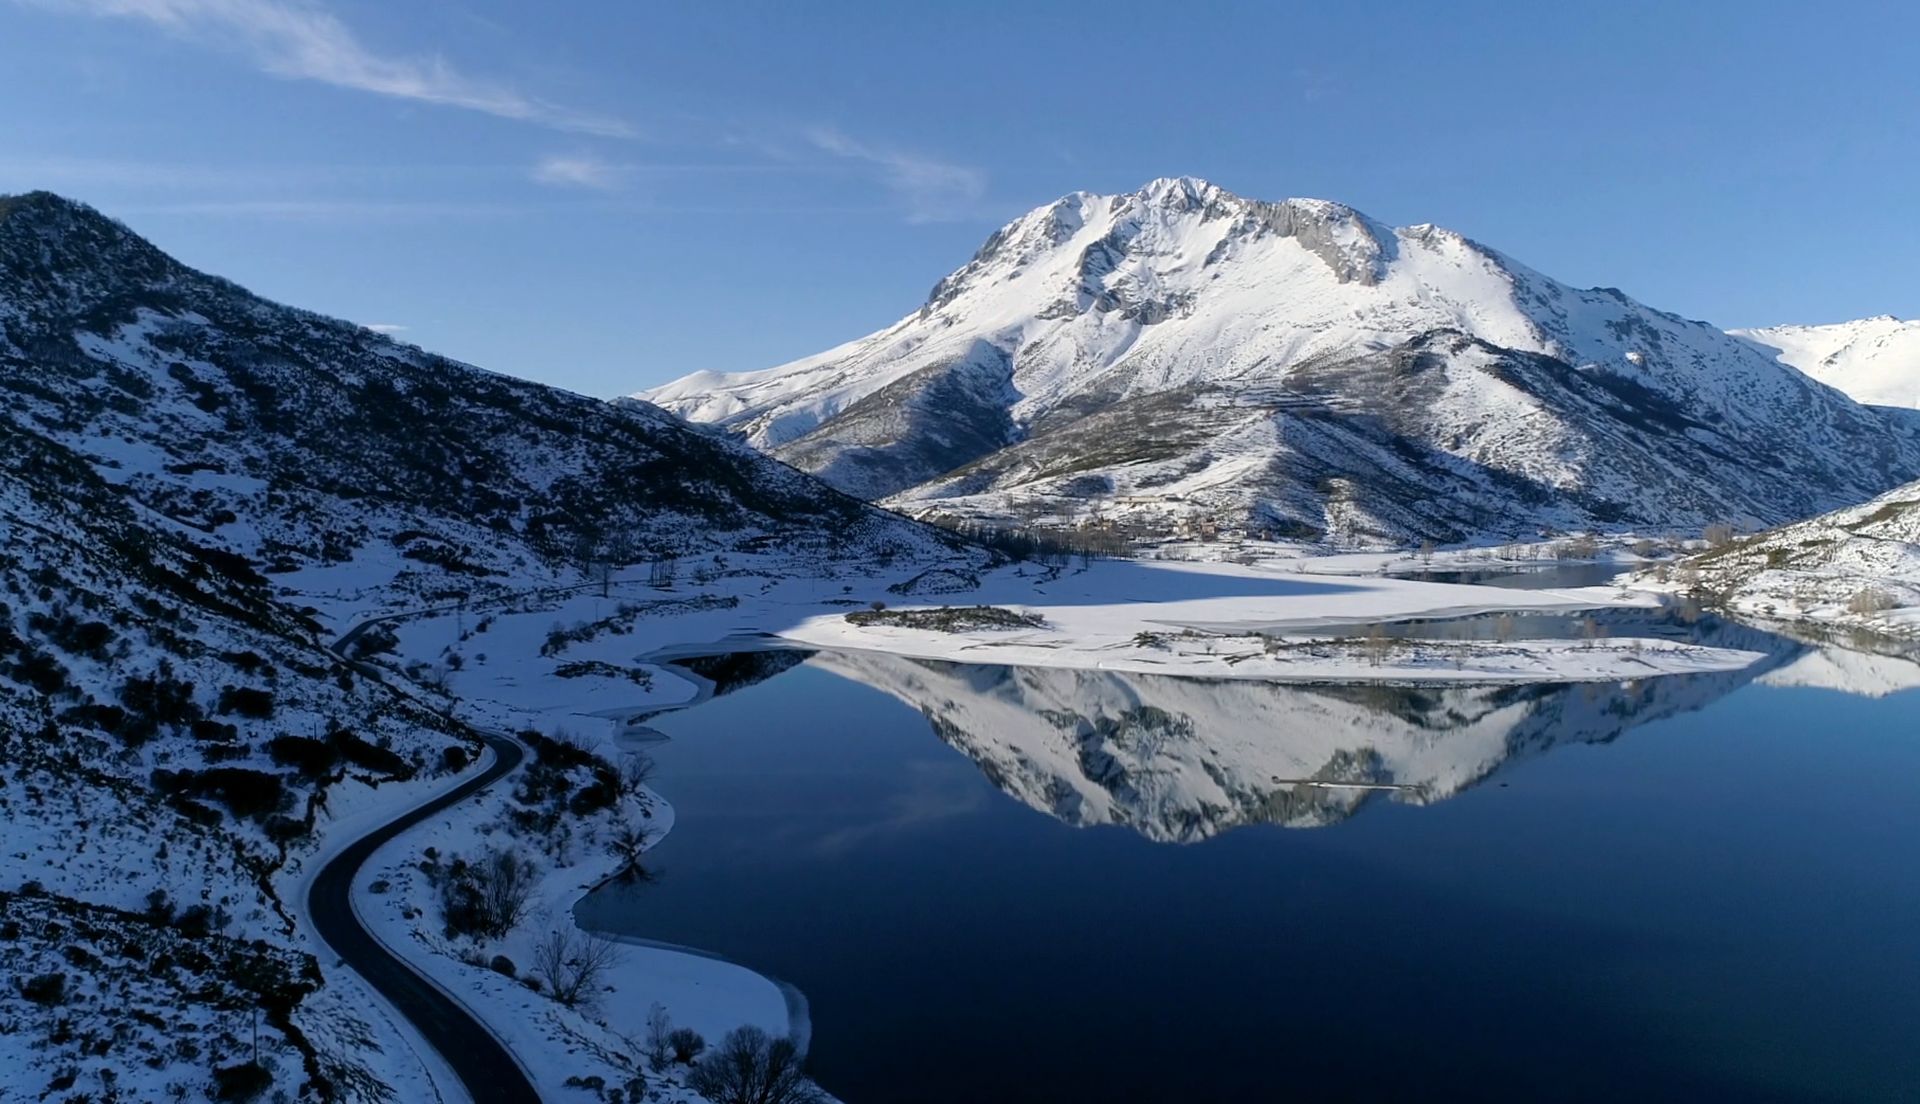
1183, 357
328, 454
1874, 360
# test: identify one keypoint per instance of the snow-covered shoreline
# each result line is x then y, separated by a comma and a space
1229, 621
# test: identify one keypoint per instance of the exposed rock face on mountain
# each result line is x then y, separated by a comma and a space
1857, 568
1181, 759
1298, 369
1874, 360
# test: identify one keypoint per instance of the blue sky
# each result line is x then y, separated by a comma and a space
606, 194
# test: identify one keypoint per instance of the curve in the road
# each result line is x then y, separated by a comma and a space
485, 1068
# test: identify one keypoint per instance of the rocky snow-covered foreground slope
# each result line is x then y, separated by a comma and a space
1857, 568
1875, 360
201, 491
1298, 369
169, 730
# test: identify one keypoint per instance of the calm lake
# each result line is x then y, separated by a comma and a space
1006, 884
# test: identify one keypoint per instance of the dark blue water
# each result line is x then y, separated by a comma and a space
1546, 575
1683, 889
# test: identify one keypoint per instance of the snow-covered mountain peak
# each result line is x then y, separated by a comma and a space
1186, 191
1146, 308
1087, 252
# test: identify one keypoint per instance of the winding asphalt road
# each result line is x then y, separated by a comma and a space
483, 1064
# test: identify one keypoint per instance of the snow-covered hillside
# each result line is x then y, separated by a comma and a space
338, 460
1858, 567
1299, 369
170, 732
201, 492
1875, 360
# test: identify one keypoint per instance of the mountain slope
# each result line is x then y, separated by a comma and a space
1299, 369
335, 457
1874, 360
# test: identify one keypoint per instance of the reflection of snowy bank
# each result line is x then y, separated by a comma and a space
1273, 659
1182, 759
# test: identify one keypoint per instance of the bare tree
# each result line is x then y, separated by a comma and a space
1591, 631
1503, 628
659, 1026
571, 963
750, 1067
1581, 547
660, 573
1378, 645
489, 897
629, 844
1718, 535
636, 770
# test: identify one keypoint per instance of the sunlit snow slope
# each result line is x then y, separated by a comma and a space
1298, 369
1875, 360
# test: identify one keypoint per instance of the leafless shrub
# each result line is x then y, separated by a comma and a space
1378, 645
489, 897
750, 1067
629, 844
1583, 547
1871, 600
686, 1044
571, 963
1718, 535
1591, 631
636, 771
659, 1026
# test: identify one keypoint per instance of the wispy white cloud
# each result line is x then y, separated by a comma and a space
299, 40
580, 171
384, 327
930, 190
